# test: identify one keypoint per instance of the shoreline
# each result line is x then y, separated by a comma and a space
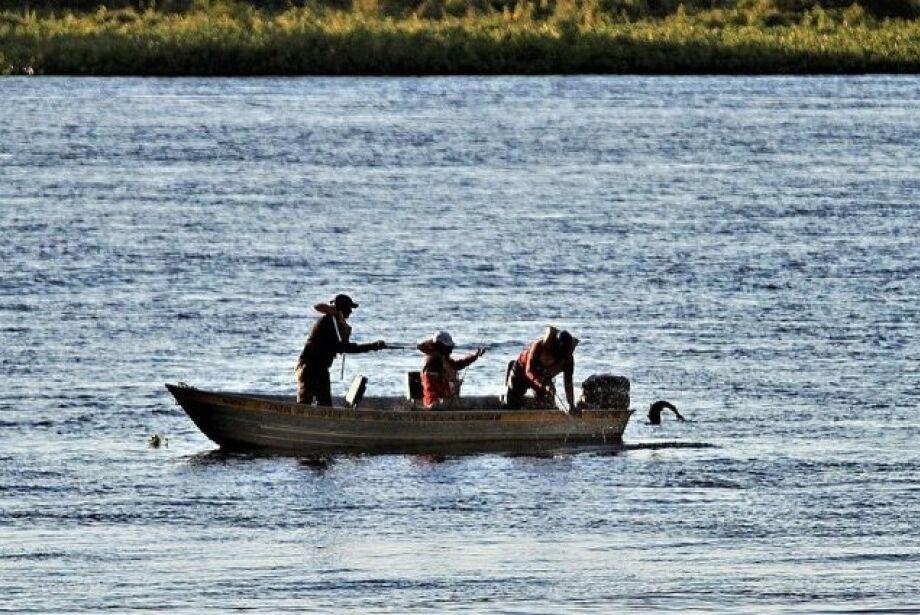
15, 76
239, 41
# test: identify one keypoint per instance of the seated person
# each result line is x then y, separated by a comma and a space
440, 379
539, 364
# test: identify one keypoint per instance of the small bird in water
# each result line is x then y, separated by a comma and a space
156, 441
654, 411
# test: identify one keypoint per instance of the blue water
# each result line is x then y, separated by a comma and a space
744, 247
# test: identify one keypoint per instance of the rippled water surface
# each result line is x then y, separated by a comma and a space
746, 248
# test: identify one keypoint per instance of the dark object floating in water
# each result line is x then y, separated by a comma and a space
278, 424
654, 411
156, 441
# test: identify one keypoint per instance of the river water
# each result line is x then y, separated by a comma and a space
744, 247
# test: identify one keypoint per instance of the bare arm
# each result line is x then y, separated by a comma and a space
469, 359
569, 386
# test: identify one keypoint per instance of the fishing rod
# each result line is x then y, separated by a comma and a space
404, 346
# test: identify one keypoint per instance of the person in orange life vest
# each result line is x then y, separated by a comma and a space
440, 381
539, 364
330, 336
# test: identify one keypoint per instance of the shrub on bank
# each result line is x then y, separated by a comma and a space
437, 37
630, 9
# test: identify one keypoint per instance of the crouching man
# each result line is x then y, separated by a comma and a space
539, 364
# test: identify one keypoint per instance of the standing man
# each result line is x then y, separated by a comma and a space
539, 364
330, 335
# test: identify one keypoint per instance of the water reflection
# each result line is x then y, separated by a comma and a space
218, 457
317, 465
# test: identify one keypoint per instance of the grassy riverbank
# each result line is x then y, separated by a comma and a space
460, 36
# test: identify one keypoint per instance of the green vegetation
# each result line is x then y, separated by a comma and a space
403, 37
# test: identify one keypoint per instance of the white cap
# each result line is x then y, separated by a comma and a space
443, 338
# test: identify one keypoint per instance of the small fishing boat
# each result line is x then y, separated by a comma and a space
277, 424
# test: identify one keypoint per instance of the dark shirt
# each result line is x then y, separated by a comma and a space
323, 344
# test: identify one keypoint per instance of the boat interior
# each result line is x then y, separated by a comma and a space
472, 402
413, 398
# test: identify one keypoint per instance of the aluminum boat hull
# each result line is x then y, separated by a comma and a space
277, 424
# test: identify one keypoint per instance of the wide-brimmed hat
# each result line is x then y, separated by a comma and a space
444, 339
566, 342
560, 342
438, 339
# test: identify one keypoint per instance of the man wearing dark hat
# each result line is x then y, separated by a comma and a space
330, 335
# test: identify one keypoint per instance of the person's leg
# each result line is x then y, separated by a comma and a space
517, 388
305, 392
323, 388
306, 385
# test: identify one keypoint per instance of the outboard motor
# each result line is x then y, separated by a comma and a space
605, 391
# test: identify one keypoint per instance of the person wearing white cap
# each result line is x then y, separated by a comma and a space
440, 379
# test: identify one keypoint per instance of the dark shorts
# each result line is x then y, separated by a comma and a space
518, 385
313, 385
